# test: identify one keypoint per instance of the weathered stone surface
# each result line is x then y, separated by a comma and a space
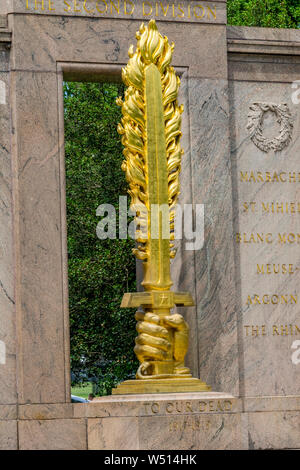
40, 296
183, 265
165, 421
263, 34
8, 435
205, 432
158, 405
8, 412
270, 322
214, 264
113, 434
84, 40
263, 68
169, 424
41, 412
275, 430
54, 434
5, 7
283, 403
7, 296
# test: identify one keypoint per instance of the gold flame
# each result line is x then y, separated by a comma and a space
152, 48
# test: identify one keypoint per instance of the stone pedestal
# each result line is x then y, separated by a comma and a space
177, 421
182, 421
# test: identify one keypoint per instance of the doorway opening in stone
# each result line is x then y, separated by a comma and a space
99, 271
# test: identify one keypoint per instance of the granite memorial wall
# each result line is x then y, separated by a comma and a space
241, 142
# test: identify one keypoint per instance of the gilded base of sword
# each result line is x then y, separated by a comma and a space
168, 385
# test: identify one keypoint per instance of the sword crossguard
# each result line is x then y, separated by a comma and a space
157, 299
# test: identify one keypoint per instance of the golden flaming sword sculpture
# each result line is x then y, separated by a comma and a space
150, 130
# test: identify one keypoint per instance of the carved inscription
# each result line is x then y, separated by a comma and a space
267, 237
188, 407
286, 267
188, 416
194, 423
193, 10
258, 331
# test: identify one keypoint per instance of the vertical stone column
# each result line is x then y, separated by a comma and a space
208, 273
43, 366
7, 297
8, 389
265, 121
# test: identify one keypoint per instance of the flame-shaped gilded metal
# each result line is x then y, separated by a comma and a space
150, 130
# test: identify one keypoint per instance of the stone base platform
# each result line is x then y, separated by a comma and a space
181, 421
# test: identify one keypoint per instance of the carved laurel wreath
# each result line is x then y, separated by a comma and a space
255, 126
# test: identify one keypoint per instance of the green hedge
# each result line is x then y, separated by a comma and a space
264, 13
100, 271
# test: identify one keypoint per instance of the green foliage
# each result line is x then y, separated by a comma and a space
266, 13
82, 390
100, 271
